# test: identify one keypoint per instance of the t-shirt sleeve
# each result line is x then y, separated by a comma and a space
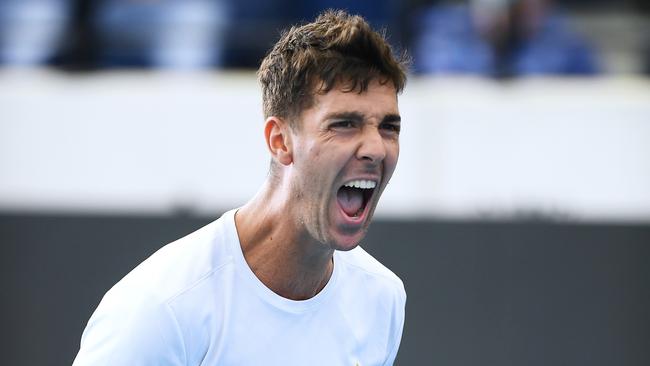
398, 324
138, 333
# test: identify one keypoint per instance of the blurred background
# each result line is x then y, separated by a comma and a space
518, 217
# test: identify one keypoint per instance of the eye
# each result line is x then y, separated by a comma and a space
343, 124
391, 127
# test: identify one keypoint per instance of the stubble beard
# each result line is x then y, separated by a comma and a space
312, 216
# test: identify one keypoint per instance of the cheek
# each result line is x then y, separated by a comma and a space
324, 158
391, 157
313, 166
396, 151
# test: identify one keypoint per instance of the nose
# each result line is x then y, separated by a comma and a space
372, 147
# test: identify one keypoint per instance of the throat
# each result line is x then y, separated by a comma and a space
285, 260
296, 277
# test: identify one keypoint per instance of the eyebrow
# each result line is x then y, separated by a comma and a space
391, 118
357, 117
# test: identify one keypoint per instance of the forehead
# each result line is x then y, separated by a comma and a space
378, 100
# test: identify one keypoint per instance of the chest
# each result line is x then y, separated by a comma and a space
251, 332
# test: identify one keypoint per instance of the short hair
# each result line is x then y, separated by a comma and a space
312, 58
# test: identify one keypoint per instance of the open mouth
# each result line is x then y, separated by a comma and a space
354, 195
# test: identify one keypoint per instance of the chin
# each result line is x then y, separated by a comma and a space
347, 242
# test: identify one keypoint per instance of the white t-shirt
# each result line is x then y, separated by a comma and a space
197, 302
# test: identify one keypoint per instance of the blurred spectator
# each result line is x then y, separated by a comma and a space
253, 28
78, 50
381, 14
159, 33
256, 24
31, 30
499, 38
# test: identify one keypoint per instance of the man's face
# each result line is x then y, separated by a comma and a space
344, 153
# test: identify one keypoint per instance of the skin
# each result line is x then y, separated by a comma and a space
290, 229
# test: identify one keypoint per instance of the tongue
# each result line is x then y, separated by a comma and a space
350, 200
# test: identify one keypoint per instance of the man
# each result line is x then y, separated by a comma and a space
281, 281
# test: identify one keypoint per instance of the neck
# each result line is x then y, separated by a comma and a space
278, 250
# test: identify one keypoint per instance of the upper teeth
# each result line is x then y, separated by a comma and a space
364, 184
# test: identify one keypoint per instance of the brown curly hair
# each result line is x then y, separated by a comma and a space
336, 48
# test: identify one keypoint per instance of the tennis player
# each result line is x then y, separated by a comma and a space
282, 280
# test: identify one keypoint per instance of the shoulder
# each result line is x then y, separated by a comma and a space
137, 320
361, 264
144, 331
133, 323
179, 265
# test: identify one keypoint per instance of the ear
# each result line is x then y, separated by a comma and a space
278, 139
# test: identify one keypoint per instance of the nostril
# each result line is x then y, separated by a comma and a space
373, 154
